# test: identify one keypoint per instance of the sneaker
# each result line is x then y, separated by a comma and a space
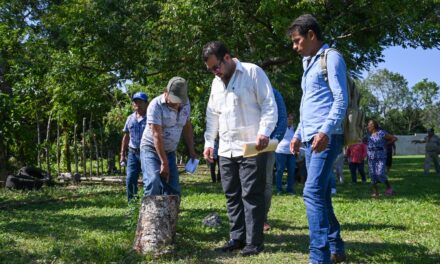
250, 250
338, 257
266, 227
231, 245
389, 192
375, 195
333, 191
290, 193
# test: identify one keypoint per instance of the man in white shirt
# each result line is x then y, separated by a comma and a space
241, 109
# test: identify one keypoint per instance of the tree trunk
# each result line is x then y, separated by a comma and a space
156, 227
97, 154
66, 149
58, 146
38, 143
84, 148
48, 145
75, 150
90, 146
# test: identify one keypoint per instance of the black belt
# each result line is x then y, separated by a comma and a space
376, 148
137, 150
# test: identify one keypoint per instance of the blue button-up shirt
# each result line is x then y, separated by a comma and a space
135, 127
280, 128
323, 108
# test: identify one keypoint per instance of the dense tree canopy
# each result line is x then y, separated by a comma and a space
67, 58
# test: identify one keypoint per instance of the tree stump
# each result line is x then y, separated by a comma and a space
156, 227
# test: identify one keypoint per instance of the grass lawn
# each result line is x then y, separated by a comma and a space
94, 224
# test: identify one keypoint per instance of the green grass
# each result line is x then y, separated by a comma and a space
93, 223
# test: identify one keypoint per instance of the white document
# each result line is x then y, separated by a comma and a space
249, 149
191, 165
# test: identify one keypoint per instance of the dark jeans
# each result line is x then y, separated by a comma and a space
357, 167
212, 169
243, 181
133, 170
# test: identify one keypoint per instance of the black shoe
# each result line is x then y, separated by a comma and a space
231, 245
338, 257
250, 250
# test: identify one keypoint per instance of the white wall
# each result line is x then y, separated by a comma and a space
405, 147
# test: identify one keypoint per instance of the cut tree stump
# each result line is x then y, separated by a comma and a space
156, 227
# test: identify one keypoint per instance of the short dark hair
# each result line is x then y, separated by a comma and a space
303, 24
375, 123
216, 48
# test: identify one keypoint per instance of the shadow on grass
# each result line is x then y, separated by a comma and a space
362, 252
364, 227
71, 236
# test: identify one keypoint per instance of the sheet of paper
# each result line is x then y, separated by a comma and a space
191, 165
249, 149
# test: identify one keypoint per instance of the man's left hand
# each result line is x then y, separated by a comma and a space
262, 142
320, 142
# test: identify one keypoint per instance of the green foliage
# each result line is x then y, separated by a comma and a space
93, 223
68, 58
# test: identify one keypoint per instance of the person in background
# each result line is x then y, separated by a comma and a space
337, 172
130, 146
323, 108
377, 156
168, 118
241, 109
432, 149
285, 159
356, 154
215, 178
278, 134
391, 151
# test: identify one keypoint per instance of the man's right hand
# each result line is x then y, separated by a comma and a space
295, 144
208, 154
165, 171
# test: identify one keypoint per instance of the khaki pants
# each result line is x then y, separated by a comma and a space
431, 157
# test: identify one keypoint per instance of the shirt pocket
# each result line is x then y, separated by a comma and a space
315, 81
169, 119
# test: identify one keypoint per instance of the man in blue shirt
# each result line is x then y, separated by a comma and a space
278, 134
133, 129
323, 108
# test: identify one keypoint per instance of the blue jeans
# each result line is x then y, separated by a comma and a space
324, 228
153, 183
133, 170
283, 161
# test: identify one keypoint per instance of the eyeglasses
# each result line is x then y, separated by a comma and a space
216, 67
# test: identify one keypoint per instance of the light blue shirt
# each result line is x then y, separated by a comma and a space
284, 145
322, 108
135, 127
171, 121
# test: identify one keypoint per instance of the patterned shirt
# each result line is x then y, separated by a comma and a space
135, 128
171, 121
376, 145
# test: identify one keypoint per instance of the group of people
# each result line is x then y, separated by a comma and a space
151, 137
243, 107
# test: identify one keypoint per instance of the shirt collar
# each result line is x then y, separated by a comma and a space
321, 50
238, 67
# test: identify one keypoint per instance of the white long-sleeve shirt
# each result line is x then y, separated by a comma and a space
240, 111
